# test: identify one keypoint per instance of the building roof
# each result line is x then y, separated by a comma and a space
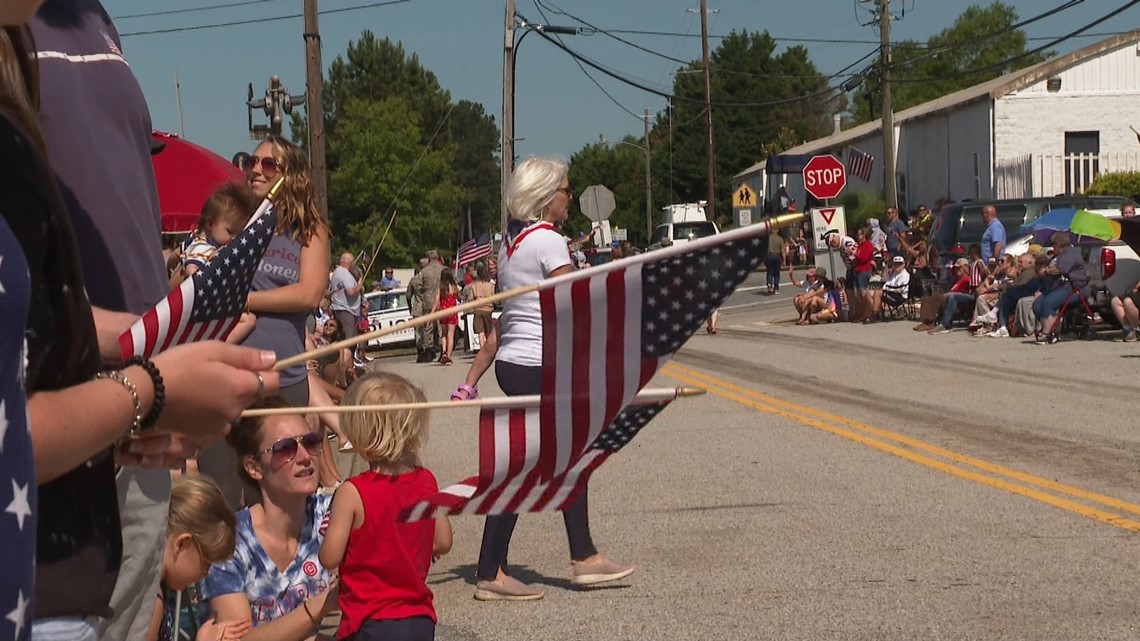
991, 89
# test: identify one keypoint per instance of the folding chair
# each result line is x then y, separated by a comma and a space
1079, 320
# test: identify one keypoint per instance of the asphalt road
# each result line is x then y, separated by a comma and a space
838, 482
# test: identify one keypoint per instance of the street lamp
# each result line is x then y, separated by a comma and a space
509, 51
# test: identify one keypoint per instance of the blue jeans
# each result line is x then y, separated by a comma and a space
412, 629
772, 265
953, 300
1049, 304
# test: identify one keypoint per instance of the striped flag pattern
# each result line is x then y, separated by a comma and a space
473, 250
606, 331
495, 495
859, 165
209, 304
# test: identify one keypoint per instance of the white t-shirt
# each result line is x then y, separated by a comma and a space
541, 251
899, 282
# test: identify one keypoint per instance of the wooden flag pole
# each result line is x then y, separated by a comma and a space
646, 396
376, 253
761, 228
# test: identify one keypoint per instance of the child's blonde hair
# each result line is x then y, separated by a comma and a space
198, 508
232, 203
387, 437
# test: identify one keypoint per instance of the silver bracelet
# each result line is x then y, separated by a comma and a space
120, 378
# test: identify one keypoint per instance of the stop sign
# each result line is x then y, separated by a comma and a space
824, 176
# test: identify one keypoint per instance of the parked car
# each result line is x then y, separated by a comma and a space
681, 233
386, 309
960, 224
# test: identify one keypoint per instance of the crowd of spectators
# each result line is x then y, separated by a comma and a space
891, 272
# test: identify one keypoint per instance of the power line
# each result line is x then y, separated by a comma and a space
171, 12
1031, 52
233, 23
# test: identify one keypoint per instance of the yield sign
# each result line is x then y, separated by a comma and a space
827, 214
825, 223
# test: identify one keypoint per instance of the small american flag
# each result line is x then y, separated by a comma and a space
487, 494
606, 331
473, 250
208, 304
859, 165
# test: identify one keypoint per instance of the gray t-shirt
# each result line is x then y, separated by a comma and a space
342, 280
1072, 265
97, 128
282, 333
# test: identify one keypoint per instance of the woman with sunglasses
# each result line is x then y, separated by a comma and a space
287, 286
538, 202
274, 578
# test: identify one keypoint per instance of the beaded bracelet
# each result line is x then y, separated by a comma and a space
159, 389
118, 377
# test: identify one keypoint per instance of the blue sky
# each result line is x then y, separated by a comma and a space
558, 108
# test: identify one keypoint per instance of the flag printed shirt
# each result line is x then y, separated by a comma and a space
272, 593
18, 480
280, 333
536, 252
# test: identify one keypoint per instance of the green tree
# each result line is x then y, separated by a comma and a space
959, 56
620, 167
373, 71
788, 102
383, 169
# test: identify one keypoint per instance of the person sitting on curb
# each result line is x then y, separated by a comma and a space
813, 297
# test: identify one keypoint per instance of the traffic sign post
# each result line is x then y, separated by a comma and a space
824, 176
825, 223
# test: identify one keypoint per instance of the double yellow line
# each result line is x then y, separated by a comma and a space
967, 467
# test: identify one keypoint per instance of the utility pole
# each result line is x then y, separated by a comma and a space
508, 146
314, 107
888, 111
710, 210
648, 185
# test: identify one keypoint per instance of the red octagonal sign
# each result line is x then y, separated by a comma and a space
824, 176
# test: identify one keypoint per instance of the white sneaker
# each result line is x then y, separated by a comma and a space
989, 317
1001, 332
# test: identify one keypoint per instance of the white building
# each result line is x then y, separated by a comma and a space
1041, 131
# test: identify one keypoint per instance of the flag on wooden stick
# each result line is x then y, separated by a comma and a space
523, 492
208, 304
606, 331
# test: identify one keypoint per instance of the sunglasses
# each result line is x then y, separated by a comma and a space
285, 450
268, 164
566, 190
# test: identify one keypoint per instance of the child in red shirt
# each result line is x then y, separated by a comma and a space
384, 562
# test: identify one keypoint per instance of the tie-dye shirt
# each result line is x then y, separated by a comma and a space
272, 593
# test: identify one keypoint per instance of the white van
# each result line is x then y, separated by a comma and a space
681, 233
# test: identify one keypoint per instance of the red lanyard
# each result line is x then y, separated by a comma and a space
513, 245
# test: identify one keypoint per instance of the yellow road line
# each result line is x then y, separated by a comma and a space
802, 414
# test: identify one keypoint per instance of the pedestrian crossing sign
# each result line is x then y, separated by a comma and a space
743, 196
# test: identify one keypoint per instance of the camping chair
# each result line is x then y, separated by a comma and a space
1077, 319
898, 306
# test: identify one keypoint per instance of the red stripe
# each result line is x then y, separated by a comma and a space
486, 448
225, 328
522, 492
615, 343
581, 358
175, 319
648, 369
583, 481
546, 409
127, 345
516, 457
151, 326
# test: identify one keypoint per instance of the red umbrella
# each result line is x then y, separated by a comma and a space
187, 174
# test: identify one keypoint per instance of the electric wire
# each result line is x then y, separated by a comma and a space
171, 12
232, 23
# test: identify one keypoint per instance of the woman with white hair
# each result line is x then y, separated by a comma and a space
537, 199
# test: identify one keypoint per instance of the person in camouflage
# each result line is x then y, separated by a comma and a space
423, 287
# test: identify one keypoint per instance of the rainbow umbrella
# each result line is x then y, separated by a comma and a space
1077, 222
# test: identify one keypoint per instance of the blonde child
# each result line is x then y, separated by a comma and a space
383, 562
200, 532
224, 215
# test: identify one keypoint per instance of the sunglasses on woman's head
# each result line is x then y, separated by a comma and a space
268, 164
285, 450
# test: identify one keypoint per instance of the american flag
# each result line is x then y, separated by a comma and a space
489, 494
859, 165
208, 304
473, 250
606, 331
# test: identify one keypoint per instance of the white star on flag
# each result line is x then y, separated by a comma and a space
19, 505
17, 616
